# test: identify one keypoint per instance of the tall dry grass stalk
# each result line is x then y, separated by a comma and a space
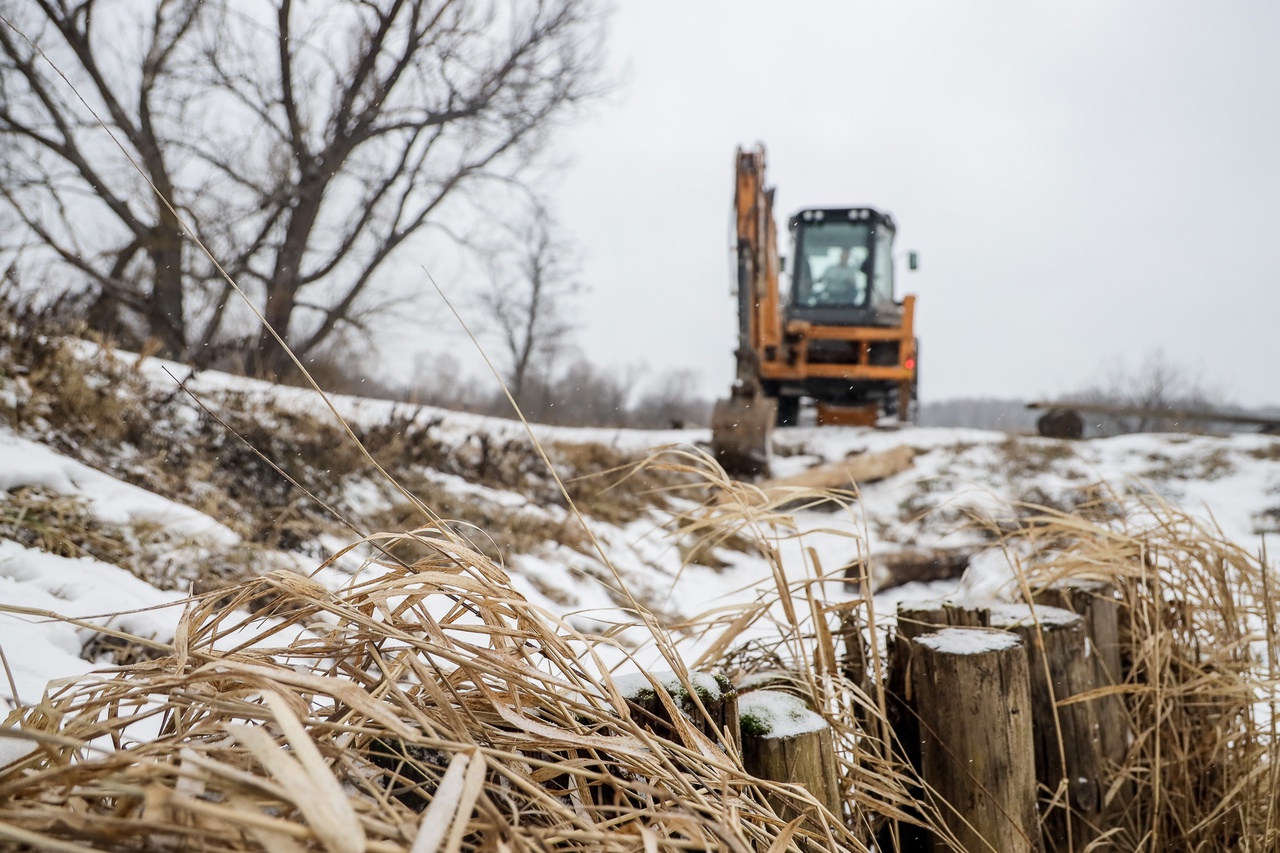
1199, 673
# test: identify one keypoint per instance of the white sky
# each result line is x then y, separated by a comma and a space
1086, 182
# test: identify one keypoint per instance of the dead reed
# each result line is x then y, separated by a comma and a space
1199, 674
330, 721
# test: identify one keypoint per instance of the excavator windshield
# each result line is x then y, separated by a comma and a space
842, 259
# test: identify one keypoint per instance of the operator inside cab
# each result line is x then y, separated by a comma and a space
834, 265
842, 283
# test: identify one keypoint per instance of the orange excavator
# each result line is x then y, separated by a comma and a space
836, 336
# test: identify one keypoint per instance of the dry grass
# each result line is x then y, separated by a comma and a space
1267, 521
237, 456
431, 703
429, 686
61, 525
1031, 457
1201, 466
65, 526
1200, 675
1269, 452
492, 529
430, 706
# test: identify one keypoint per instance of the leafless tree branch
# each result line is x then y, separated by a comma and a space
305, 147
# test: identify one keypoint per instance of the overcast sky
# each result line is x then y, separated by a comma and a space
1086, 181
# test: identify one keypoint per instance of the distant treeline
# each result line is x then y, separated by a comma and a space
981, 413
1014, 416
583, 394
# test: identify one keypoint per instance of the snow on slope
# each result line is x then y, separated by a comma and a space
957, 472
38, 649
365, 412
26, 463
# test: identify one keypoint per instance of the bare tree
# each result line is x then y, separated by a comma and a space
671, 401
532, 279
587, 394
1155, 385
304, 144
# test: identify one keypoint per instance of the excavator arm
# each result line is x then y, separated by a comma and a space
740, 424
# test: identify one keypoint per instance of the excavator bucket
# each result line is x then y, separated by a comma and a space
740, 427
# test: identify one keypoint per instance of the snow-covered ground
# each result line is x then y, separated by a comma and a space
956, 475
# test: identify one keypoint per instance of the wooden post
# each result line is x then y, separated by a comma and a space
1068, 748
716, 694
855, 665
900, 701
784, 741
973, 696
912, 622
1096, 603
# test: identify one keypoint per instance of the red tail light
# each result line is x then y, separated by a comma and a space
909, 364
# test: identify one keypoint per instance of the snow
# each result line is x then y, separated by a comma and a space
637, 685
39, 649
26, 463
360, 411
969, 641
1021, 615
777, 715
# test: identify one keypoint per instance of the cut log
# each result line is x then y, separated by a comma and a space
1068, 747
976, 748
913, 566
1060, 423
845, 474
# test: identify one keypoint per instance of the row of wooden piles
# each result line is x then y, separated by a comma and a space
1012, 716
1009, 715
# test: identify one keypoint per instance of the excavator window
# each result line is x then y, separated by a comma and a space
834, 264
882, 273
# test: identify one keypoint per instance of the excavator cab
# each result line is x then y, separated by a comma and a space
843, 271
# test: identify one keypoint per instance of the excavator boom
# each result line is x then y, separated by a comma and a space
741, 423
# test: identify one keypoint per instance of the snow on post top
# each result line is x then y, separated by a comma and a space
768, 713
638, 686
1021, 616
968, 641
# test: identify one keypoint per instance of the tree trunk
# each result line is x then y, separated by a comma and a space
269, 360
165, 315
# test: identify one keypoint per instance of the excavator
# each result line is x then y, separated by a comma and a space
836, 336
